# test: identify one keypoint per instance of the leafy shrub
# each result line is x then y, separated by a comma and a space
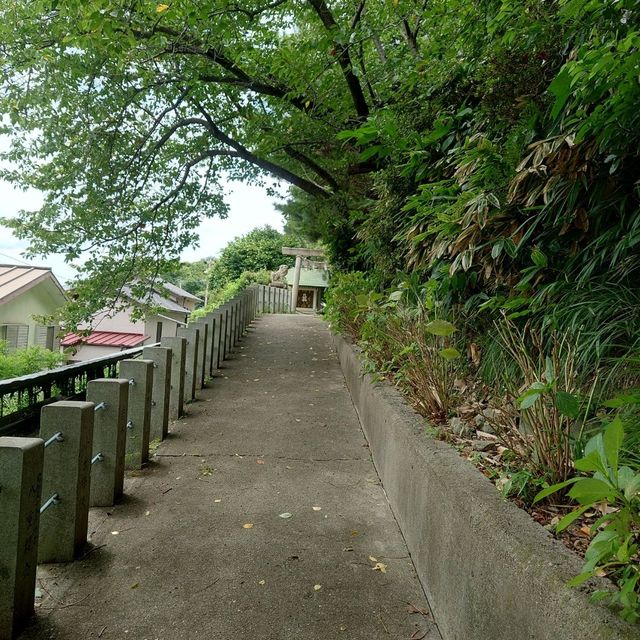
614, 490
231, 289
24, 361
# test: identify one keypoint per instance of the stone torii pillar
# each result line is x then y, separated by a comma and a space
299, 253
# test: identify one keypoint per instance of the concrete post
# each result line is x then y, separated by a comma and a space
20, 498
224, 343
262, 296
178, 346
66, 477
161, 393
110, 396
296, 284
192, 334
242, 303
237, 325
210, 320
216, 320
140, 376
203, 341
230, 322
238, 322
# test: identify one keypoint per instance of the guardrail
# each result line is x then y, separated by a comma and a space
22, 398
48, 483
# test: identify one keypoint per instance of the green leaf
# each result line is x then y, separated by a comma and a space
567, 404
561, 89
450, 353
548, 370
395, 295
538, 258
590, 490
591, 462
622, 400
440, 328
632, 487
362, 300
530, 397
612, 440
554, 488
572, 516
583, 577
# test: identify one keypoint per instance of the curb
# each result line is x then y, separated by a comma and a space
489, 571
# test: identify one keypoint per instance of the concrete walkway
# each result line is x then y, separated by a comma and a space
203, 545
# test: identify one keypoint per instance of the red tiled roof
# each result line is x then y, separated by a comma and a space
105, 339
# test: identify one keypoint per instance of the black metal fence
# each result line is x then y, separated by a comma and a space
22, 398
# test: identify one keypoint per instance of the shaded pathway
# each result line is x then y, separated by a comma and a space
275, 434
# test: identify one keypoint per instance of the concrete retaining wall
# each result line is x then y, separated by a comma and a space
489, 571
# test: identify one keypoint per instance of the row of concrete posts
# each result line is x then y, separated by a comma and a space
48, 484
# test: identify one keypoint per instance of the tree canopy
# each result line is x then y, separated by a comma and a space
129, 115
492, 145
258, 250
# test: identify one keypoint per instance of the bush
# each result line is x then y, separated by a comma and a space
25, 361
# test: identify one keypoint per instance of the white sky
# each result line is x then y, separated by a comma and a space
250, 207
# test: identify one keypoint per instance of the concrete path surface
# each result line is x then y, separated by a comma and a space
260, 517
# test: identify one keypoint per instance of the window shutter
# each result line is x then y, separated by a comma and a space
23, 336
41, 336
17, 336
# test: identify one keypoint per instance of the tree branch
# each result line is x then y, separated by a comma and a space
266, 165
313, 165
238, 76
357, 95
358, 14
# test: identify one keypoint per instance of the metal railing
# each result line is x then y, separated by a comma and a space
22, 398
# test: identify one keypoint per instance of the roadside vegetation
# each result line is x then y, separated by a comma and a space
30, 360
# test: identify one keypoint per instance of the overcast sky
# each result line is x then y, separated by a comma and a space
250, 207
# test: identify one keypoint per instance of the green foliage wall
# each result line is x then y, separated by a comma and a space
258, 250
25, 361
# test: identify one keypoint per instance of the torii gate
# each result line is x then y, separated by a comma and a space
299, 253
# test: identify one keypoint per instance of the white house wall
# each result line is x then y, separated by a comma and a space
41, 300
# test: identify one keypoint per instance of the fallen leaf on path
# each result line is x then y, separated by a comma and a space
261, 581
285, 515
381, 567
248, 525
147, 513
317, 508
354, 533
373, 559
348, 549
135, 585
413, 609
115, 533
217, 500
343, 627
317, 587
259, 461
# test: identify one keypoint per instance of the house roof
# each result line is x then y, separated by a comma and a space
16, 279
310, 278
105, 339
177, 291
154, 299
